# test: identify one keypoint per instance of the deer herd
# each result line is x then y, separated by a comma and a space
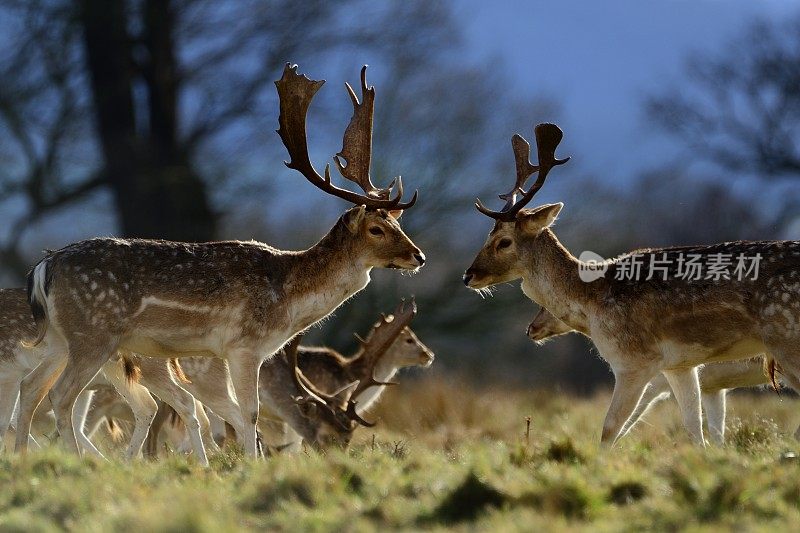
201, 341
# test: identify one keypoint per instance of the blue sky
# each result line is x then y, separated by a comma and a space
601, 58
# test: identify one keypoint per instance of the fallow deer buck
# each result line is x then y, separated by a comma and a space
716, 379
389, 346
670, 322
17, 327
240, 301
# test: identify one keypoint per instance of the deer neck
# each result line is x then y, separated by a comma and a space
550, 278
381, 366
321, 278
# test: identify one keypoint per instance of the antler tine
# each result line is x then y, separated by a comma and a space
357, 148
295, 92
548, 137
353, 415
402, 313
301, 381
290, 350
357, 141
522, 156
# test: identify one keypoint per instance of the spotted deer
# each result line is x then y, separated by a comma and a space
240, 301
390, 346
17, 360
716, 379
668, 323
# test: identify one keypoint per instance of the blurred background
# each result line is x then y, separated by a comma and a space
156, 118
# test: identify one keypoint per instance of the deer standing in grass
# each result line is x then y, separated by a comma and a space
241, 301
161, 376
716, 379
388, 347
669, 323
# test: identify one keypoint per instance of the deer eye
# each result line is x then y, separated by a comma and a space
504, 243
375, 230
409, 341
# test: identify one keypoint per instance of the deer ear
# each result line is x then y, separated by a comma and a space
396, 213
353, 217
535, 220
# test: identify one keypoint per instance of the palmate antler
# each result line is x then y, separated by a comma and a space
548, 136
295, 92
383, 334
314, 395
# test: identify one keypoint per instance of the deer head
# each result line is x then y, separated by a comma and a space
374, 223
498, 260
334, 413
545, 326
409, 351
332, 424
392, 342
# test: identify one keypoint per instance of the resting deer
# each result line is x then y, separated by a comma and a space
241, 301
17, 360
670, 322
716, 379
389, 347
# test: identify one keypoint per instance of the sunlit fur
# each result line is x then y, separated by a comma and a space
328, 370
668, 323
240, 301
716, 379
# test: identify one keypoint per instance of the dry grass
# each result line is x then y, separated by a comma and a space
445, 456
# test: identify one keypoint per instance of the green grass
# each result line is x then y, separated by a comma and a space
445, 457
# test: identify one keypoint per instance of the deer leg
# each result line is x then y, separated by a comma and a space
244, 370
686, 388
79, 413
153, 436
628, 388
142, 404
227, 408
656, 391
163, 386
102, 412
33, 389
216, 426
9, 391
714, 407
77, 374
784, 350
13, 425
205, 426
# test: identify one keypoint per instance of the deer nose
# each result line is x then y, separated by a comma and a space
467, 278
420, 257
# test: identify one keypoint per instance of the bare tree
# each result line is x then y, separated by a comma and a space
740, 109
152, 99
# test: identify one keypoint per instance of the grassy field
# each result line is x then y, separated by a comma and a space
444, 456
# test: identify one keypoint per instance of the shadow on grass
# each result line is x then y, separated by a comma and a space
467, 501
